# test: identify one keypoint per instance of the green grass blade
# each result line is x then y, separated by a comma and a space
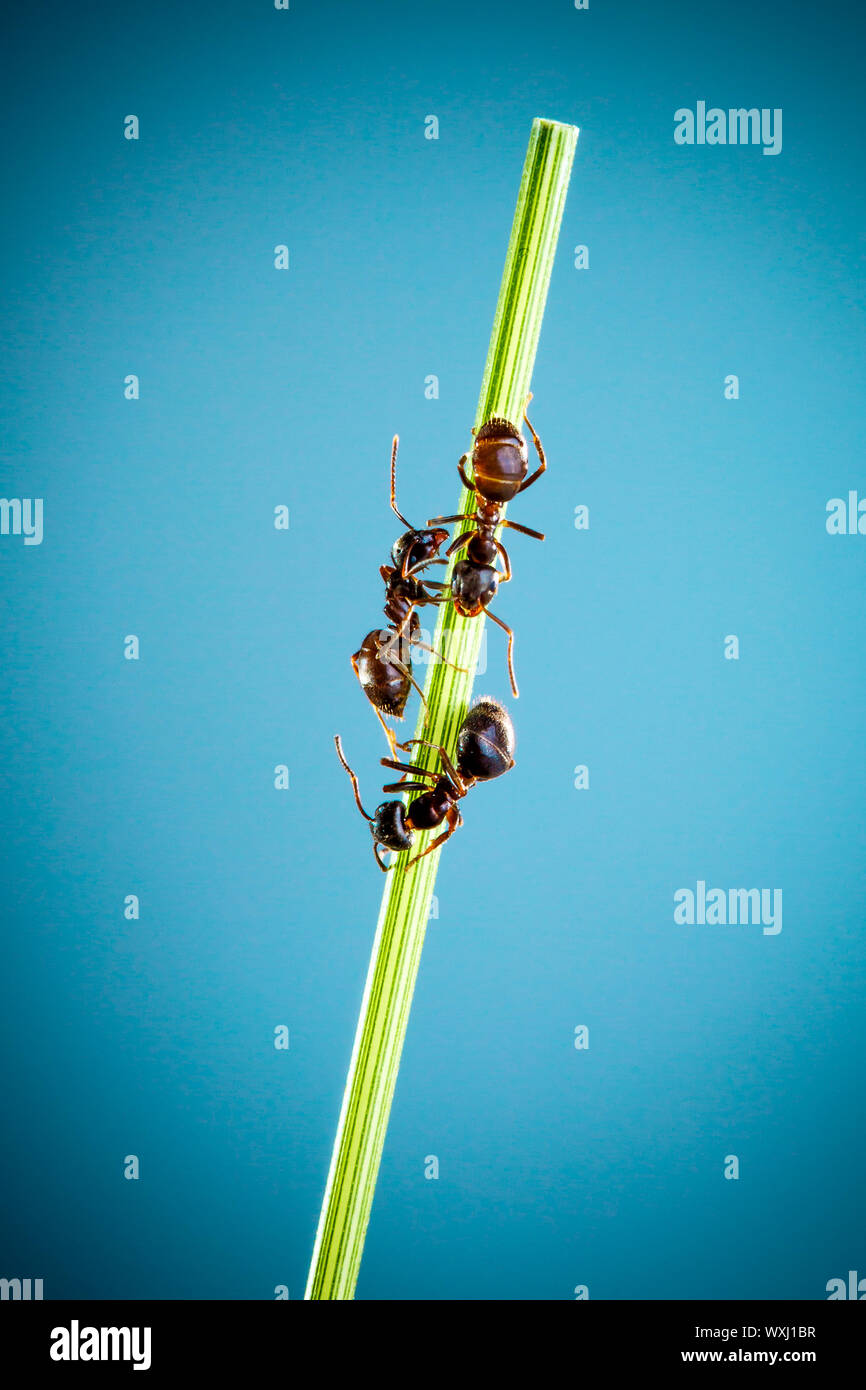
406, 899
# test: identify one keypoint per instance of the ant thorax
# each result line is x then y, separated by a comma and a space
430, 808
487, 512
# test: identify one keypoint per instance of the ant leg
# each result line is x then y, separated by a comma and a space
461, 469
406, 523
389, 733
352, 778
394, 644
443, 659
538, 449
459, 516
455, 820
422, 565
524, 530
413, 769
493, 618
461, 540
384, 867
406, 787
398, 631
450, 769
534, 477
408, 674
506, 561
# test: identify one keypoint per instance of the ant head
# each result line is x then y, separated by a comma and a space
389, 827
485, 744
481, 550
473, 586
414, 547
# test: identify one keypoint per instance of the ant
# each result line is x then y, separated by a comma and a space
485, 749
383, 662
500, 462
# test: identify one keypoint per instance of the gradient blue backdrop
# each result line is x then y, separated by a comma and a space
259, 387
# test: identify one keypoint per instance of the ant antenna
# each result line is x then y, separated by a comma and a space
407, 524
353, 779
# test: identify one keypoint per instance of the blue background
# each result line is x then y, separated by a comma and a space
258, 387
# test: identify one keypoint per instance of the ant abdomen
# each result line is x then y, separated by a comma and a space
499, 460
486, 742
385, 683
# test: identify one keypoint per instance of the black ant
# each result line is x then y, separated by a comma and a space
500, 462
485, 749
383, 662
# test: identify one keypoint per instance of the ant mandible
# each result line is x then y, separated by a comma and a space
383, 662
500, 462
485, 749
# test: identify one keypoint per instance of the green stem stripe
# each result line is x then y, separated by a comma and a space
406, 899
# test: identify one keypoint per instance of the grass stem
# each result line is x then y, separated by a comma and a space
406, 899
